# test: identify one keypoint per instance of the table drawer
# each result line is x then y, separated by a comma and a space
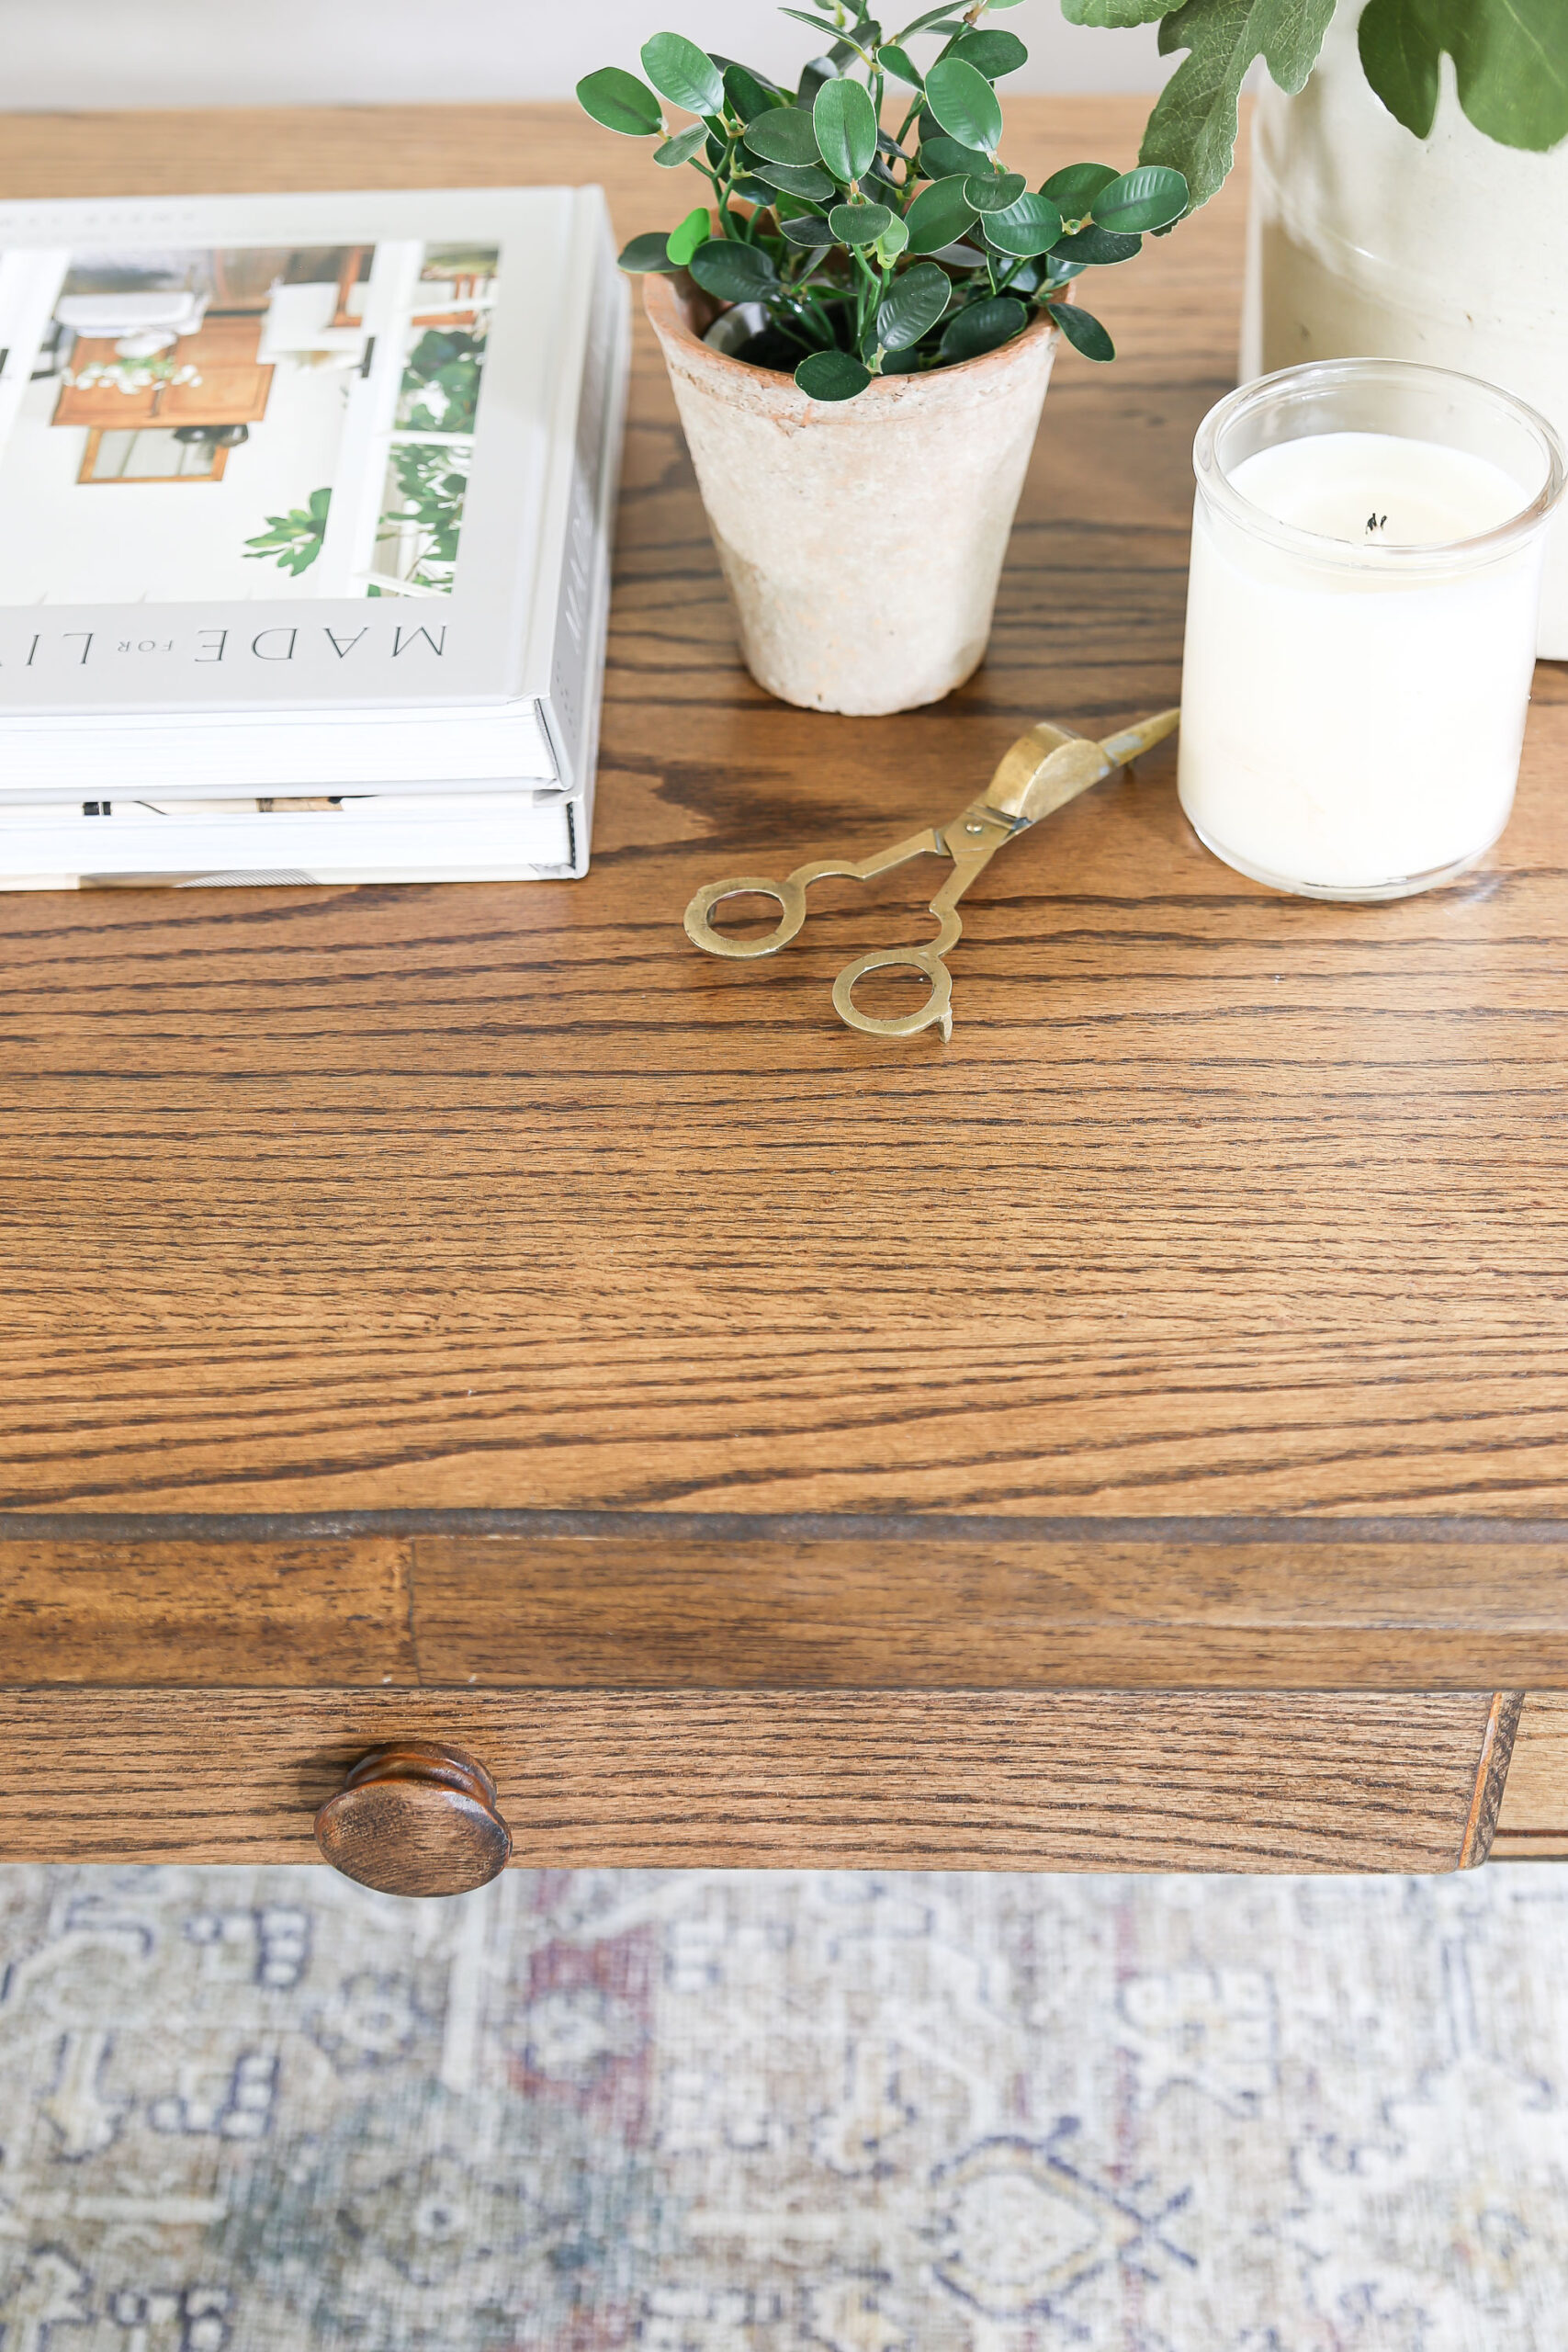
949, 1780
1533, 1821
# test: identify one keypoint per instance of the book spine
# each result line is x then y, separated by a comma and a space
571, 712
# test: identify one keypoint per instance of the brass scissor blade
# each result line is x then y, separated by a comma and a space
1050, 766
1133, 741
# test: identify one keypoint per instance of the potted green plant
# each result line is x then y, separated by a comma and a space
860, 320
1402, 207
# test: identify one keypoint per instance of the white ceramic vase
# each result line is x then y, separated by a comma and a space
862, 540
1365, 241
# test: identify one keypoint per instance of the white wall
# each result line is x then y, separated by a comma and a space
68, 54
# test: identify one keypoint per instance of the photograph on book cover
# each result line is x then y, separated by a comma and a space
250, 422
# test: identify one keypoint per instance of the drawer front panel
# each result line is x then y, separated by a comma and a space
1077, 1780
1533, 1822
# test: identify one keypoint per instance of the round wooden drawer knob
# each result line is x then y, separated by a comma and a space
415, 1818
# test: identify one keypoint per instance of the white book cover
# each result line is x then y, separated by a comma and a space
305, 493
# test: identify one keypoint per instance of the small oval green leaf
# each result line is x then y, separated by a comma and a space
944, 159
892, 242
1031, 226
912, 306
1096, 248
901, 64
1025, 278
1073, 191
785, 135
798, 180
1150, 197
845, 123
811, 231
685, 74
621, 103
749, 95
983, 326
648, 254
683, 147
859, 224
1084, 333
734, 272
994, 193
965, 104
939, 216
831, 376
990, 53
692, 232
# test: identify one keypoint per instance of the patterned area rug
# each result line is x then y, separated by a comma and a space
263, 2110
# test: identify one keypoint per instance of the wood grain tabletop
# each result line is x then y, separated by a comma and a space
1199, 1306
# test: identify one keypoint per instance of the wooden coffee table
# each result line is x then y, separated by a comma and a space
1134, 1434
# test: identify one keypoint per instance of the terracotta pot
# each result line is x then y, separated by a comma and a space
862, 540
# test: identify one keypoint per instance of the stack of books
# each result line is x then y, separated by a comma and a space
306, 506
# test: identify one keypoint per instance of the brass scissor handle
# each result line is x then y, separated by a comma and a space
1041, 771
790, 894
980, 832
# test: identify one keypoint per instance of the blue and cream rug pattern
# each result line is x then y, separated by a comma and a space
264, 2111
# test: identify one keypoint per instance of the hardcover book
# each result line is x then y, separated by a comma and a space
305, 512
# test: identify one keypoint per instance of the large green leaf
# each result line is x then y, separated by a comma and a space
912, 306
785, 135
685, 74
1510, 59
939, 216
734, 272
965, 104
1113, 13
845, 123
620, 102
1193, 125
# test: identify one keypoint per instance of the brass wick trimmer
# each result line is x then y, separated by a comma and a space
1043, 771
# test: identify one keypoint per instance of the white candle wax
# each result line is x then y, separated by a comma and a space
1351, 716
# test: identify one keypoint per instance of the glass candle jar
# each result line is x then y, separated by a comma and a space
1367, 547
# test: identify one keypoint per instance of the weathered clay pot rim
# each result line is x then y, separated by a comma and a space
668, 313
